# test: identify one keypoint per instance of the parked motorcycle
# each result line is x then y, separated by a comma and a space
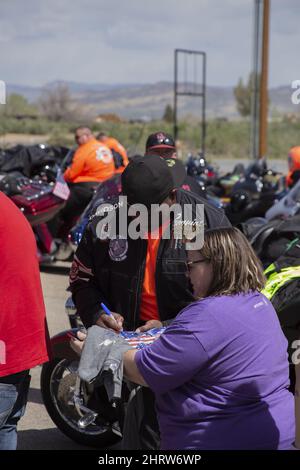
254, 193
80, 410
286, 206
104, 193
39, 201
200, 169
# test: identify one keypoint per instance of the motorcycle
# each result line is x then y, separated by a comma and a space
80, 410
254, 193
200, 169
39, 201
31, 177
103, 193
286, 206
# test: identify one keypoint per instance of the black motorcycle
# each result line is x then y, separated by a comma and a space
254, 193
80, 410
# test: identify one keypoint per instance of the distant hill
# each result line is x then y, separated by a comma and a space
134, 101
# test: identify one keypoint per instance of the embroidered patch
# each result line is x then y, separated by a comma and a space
118, 249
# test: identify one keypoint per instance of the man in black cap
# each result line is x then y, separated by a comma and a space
141, 280
162, 144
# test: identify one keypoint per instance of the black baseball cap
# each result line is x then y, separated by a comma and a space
149, 180
160, 140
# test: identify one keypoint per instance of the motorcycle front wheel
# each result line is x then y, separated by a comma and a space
58, 382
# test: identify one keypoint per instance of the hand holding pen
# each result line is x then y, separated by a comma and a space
110, 320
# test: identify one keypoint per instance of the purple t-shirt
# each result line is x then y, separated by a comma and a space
220, 377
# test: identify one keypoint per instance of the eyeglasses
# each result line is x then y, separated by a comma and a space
190, 264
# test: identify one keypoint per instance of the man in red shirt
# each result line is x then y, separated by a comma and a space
23, 328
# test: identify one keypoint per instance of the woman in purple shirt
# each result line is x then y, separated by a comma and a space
220, 370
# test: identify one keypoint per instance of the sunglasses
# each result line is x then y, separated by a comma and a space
190, 264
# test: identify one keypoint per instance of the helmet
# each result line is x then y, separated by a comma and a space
239, 200
191, 166
196, 165
160, 140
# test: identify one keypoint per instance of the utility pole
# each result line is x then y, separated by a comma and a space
264, 82
260, 79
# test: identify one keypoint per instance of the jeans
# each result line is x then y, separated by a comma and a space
13, 398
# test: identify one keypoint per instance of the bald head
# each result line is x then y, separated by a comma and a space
83, 134
102, 137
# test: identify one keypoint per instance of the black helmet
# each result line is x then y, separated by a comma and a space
239, 200
160, 140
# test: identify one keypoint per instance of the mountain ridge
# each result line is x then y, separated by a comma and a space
134, 100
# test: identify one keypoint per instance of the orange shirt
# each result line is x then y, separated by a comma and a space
294, 157
115, 146
92, 161
149, 308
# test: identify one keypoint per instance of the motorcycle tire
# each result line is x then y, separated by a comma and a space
104, 439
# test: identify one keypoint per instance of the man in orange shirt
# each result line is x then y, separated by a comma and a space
294, 166
92, 161
92, 164
118, 151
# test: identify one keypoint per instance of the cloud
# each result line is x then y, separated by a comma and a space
122, 41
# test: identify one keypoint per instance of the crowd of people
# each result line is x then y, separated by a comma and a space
218, 375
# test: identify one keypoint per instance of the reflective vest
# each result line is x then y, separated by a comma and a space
275, 280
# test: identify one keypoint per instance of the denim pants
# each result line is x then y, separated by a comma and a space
13, 398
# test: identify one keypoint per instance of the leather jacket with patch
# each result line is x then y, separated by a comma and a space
112, 271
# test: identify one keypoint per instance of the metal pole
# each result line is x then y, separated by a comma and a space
255, 84
264, 82
175, 95
186, 92
203, 105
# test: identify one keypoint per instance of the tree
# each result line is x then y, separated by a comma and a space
57, 104
168, 115
243, 95
17, 105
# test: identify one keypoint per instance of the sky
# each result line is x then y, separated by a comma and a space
132, 41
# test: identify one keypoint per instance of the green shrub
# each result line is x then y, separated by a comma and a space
224, 139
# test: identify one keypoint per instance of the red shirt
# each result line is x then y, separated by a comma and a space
148, 308
23, 328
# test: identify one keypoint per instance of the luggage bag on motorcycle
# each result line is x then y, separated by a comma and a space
283, 290
273, 239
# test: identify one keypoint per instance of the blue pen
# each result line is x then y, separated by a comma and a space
108, 312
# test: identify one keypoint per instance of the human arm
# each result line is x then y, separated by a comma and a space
76, 167
172, 360
130, 370
86, 292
